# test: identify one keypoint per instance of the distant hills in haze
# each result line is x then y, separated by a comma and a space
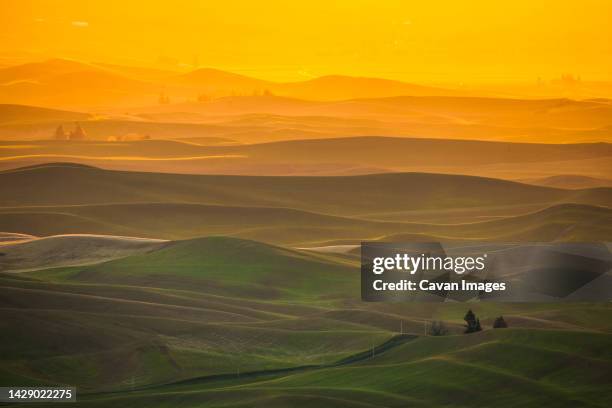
253, 119
59, 82
217, 122
214, 103
67, 83
529, 162
20, 114
330, 87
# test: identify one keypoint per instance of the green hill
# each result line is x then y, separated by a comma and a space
197, 307
228, 266
226, 307
505, 368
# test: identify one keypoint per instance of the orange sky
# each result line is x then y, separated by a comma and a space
424, 41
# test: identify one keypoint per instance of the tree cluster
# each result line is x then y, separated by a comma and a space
77, 134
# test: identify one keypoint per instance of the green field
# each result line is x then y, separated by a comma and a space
234, 308
224, 315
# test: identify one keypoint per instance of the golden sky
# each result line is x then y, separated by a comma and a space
424, 41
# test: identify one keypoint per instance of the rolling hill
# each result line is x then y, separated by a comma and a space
227, 267
202, 297
255, 119
61, 82
340, 87
570, 181
246, 318
567, 222
65, 83
179, 221
19, 114
215, 80
327, 88
318, 157
298, 211
67, 184
69, 250
36, 71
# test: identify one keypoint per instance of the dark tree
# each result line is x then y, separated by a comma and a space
500, 323
78, 133
438, 328
60, 134
472, 323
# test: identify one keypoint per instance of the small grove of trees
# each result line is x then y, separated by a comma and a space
500, 323
77, 134
438, 328
473, 323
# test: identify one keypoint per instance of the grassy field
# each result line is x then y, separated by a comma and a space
226, 314
228, 309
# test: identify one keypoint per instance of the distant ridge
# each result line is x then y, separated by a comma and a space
38, 70
67, 83
216, 78
339, 87
11, 113
329, 87
570, 181
57, 164
59, 82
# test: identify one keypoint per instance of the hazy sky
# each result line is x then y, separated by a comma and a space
426, 41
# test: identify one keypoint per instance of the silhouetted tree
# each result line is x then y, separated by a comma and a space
78, 133
438, 328
472, 322
163, 99
60, 134
500, 323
